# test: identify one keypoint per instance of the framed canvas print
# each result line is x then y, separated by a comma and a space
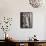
26, 19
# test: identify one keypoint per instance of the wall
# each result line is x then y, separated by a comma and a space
12, 8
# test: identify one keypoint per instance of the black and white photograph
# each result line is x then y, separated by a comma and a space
26, 19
